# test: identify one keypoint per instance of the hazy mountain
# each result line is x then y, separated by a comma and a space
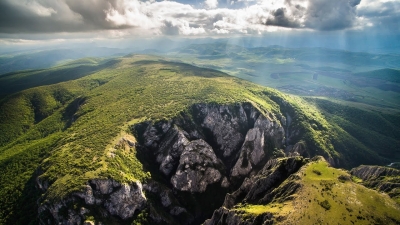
40, 59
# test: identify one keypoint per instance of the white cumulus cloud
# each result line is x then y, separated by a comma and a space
211, 4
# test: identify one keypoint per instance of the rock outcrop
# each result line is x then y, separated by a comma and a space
207, 151
380, 178
198, 168
261, 189
232, 217
106, 197
197, 158
257, 189
210, 144
373, 172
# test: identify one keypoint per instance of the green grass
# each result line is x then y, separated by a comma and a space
326, 198
276, 208
362, 124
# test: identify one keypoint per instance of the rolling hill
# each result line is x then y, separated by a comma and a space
367, 78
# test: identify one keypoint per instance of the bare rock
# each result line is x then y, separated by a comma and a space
110, 197
170, 150
226, 124
198, 168
125, 201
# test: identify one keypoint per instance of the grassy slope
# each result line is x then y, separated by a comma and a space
374, 129
70, 129
325, 198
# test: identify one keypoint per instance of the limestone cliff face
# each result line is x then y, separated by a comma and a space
258, 189
206, 152
379, 178
196, 159
211, 144
198, 167
107, 197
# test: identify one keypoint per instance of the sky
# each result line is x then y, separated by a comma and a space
324, 23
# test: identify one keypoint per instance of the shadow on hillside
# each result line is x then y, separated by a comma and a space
25, 209
17, 81
185, 69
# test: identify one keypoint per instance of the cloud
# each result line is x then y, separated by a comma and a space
331, 15
211, 4
39, 9
313, 14
176, 27
279, 18
135, 17
40, 16
383, 15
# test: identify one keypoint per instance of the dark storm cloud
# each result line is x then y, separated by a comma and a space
381, 15
354, 3
19, 19
55, 16
315, 14
331, 15
170, 28
279, 18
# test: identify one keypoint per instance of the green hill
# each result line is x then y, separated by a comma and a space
391, 75
313, 194
73, 151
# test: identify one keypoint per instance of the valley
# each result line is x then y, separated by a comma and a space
366, 78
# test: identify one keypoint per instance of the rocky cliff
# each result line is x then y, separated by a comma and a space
105, 197
261, 189
207, 151
195, 159
380, 178
207, 165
